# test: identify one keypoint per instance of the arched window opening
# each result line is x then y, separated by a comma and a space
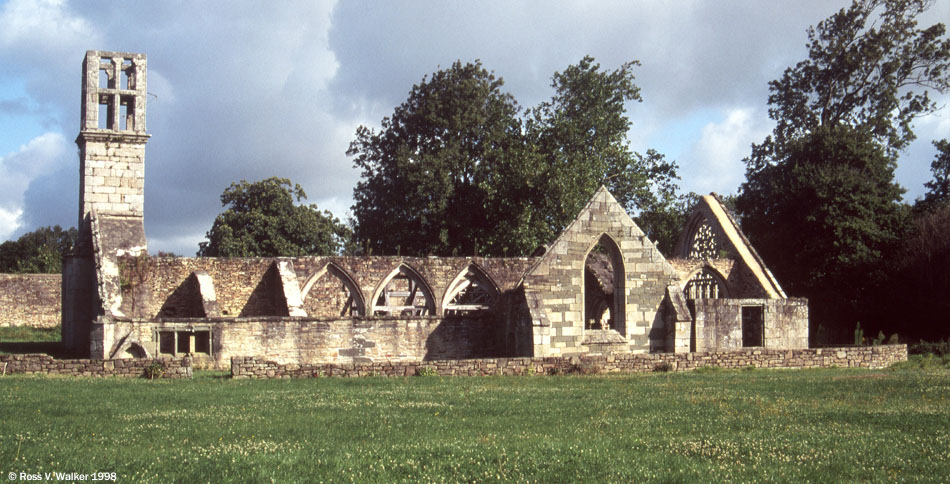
705, 285
134, 351
703, 243
404, 294
471, 294
331, 293
603, 287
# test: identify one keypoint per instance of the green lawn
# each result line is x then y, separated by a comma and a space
21, 339
714, 426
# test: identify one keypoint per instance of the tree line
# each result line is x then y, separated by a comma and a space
460, 168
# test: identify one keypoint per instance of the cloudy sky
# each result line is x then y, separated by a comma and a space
246, 90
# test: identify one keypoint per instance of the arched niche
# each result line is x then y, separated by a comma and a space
403, 293
705, 283
471, 293
332, 293
604, 294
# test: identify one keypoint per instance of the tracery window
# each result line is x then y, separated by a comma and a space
471, 294
331, 293
404, 294
704, 244
704, 285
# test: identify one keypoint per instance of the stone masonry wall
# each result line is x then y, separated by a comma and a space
244, 287
47, 365
719, 323
30, 300
307, 340
848, 357
555, 285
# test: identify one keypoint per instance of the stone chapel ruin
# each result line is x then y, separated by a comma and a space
601, 287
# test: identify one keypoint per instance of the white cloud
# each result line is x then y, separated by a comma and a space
8, 222
42, 24
714, 161
40, 157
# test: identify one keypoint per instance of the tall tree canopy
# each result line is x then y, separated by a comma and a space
820, 201
868, 66
263, 220
457, 168
40, 251
429, 176
581, 137
938, 189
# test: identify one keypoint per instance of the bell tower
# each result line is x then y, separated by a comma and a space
111, 145
112, 135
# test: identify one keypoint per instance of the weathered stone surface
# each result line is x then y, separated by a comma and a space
47, 365
30, 300
601, 274
848, 357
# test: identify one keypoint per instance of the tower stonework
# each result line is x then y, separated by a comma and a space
112, 134
111, 145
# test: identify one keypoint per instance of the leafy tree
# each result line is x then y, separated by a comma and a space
825, 218
40, 251
455, 170
262, 219
923, 266
819, 201
862, 71
581, 135
938, 189
429, 178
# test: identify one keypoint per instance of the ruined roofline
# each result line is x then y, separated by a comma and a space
751, 258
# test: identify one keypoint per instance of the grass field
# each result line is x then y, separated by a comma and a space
707, 426
21, 339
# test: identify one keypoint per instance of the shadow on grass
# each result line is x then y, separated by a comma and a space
214, 375
54, 349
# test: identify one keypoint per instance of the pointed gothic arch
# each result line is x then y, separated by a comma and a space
335, 296
604, 286
705, 283
404, 292
472, 292
700, 240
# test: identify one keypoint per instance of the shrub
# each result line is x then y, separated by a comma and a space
858, 335
426, 371
939, 348
155, 370
879, 340
927, 361
585, 368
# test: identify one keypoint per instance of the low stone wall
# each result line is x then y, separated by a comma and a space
47, 365
30, 300
850, 357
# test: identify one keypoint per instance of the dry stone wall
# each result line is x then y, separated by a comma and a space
847, 357
31, 364
33, 300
